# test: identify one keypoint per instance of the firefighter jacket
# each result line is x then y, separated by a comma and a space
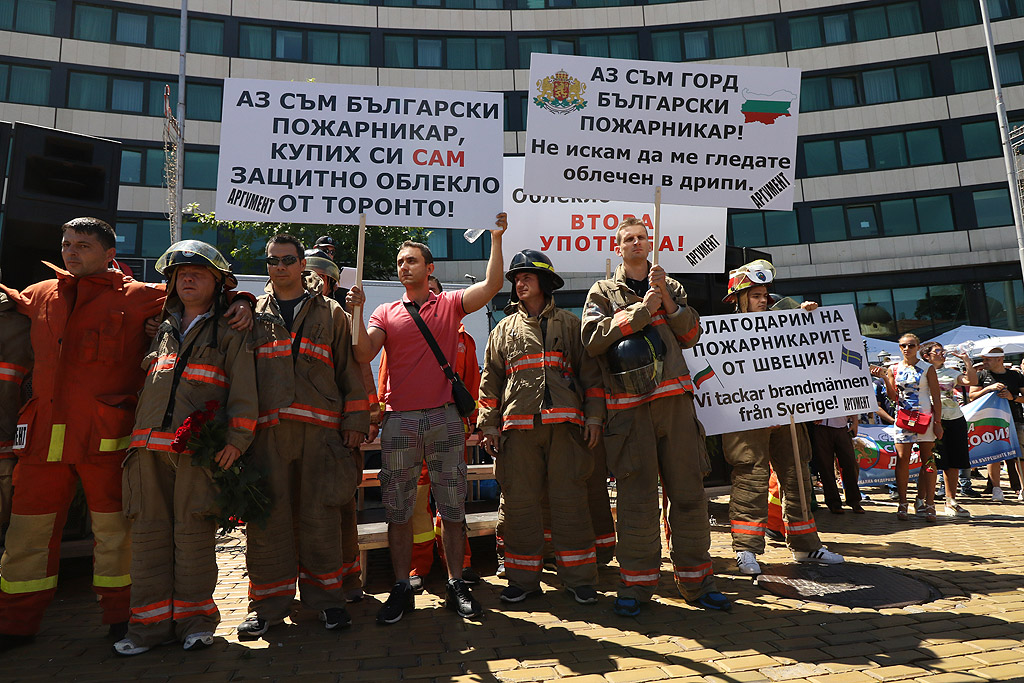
15, 365
89, 339
308, 374
212, 362
529, 371
614, 311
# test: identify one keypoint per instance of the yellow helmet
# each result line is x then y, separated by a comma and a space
198, 253
759, 272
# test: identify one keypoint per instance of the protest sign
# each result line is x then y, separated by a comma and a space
323, 153
708, 135
991, 437
579, 234
753, 370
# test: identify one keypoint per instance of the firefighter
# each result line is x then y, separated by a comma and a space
313, 412
15, 366
636, 324
194, 359
750, 452
88, 336
541, 405
317, 261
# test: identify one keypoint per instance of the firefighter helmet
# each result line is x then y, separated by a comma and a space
317, 260
532, 261
759, 272
638, 361
195, 252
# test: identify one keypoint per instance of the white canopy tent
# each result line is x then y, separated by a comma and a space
976, 339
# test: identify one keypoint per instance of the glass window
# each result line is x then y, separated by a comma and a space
203, 102
87, 91
914, 81
838, 298
156, 237
747, 229
911, 310
904, 19
29, 85
837, 28
820, 158
1005, 303
437, 241
206, 37
624, 46
354, 49
969, 73
156, 97
992, 208
1009, 68
93, 23
6, 15
844, 91
428, 53
760, 37
861, 221
201, 170
594, 46
781, 227
880, 86
254, 41
167, 32
528, 46
667, 46
131, 166
889, 151
323, 47
127, 96
35, 16
956, 13
805, 32
697, 44
288, 45
828, 223
934, 214
924, 146
398, 51
461, 250
131, 28
127, 238
854, 154
870, 23
814, 94
153, 175
490, 53
981, 140
898, 217
728, 41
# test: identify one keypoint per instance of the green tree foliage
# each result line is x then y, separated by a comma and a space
246, 243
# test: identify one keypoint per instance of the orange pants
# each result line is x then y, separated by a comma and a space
775, 522
28, 570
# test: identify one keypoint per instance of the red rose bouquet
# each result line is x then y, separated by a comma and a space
243, 494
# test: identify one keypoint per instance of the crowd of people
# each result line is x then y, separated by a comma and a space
110, 382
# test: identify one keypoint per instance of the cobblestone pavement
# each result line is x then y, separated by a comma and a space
972, 633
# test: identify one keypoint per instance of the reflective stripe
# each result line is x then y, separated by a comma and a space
647, 577
268, 419
596, 392
670, 387
317, 416
691, 335
801, 528
424, 537
56, 451
658, 319
693, 574
165, 362
353, 406
773, 499
152, 613
274, 349
266, 590
529, 563
555, 415
110, 445
183, 609
325, 581
242, 423
351, 568
33, 586
211, 374
551, 359
750, 528
605, 541
154, 440
517, 422
575, 558
623, 324
112, 581
488, 402
318, 351
9, 372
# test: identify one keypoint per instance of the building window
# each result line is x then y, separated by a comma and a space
882, 219
981, 139
711, 43
875, 86
956, 13
24, 84
973, 73
860, 25
444, 53
622, 46
294, 45
161, 31
992, 208
762, 228
1005, 303
145, 167
101, 92
875, 152
449, 4
28, 16
889, 313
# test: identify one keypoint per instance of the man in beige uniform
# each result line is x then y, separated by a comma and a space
636, 324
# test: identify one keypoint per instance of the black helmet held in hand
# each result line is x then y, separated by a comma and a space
637, 361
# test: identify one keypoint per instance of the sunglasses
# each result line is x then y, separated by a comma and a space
288, 260
907, 346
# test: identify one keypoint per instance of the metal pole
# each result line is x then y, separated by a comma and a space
177, 219
1004, 133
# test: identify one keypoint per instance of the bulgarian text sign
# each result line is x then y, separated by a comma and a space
991, 437
708, 135
322, 153
579, 234
753, 370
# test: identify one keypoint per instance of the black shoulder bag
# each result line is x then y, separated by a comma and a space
464, 401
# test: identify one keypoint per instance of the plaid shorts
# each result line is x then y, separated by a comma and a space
407, 439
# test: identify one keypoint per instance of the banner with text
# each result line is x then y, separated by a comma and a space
322, 153
579, 234
991, 437
708, 135
753, 370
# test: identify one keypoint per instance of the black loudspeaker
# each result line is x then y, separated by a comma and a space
54, 176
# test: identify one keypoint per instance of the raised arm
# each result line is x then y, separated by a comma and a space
477, 296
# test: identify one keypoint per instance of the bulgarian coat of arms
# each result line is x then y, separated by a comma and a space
560, 94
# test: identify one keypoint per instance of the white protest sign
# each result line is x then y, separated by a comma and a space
708, 135
753, 370
579, 234
322, 153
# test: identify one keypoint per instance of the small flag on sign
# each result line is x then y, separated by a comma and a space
853, 357
703, 376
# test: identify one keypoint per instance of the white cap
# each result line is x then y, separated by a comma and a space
993, 352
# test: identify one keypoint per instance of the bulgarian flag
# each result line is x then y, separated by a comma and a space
703, 376
758, 108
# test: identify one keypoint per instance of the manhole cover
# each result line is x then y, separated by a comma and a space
847, 584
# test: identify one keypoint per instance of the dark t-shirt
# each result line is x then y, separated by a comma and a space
639, 287
288, 309
1014, 382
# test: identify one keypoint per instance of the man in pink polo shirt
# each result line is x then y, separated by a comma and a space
420, 419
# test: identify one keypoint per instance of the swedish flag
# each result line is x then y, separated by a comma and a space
852, 357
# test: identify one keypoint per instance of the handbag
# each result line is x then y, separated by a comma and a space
913, 420
464, 401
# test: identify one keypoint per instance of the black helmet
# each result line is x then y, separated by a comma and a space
324, 240
532, 261
637, 361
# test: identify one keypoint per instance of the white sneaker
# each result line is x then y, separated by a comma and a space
126, 648
954, 509
997, 495
747, 563
197, 641
822, 556
1020, 494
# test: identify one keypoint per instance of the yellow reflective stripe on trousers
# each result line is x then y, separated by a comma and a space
112, 581
424, 537
14, 587
110, 445
56, 451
